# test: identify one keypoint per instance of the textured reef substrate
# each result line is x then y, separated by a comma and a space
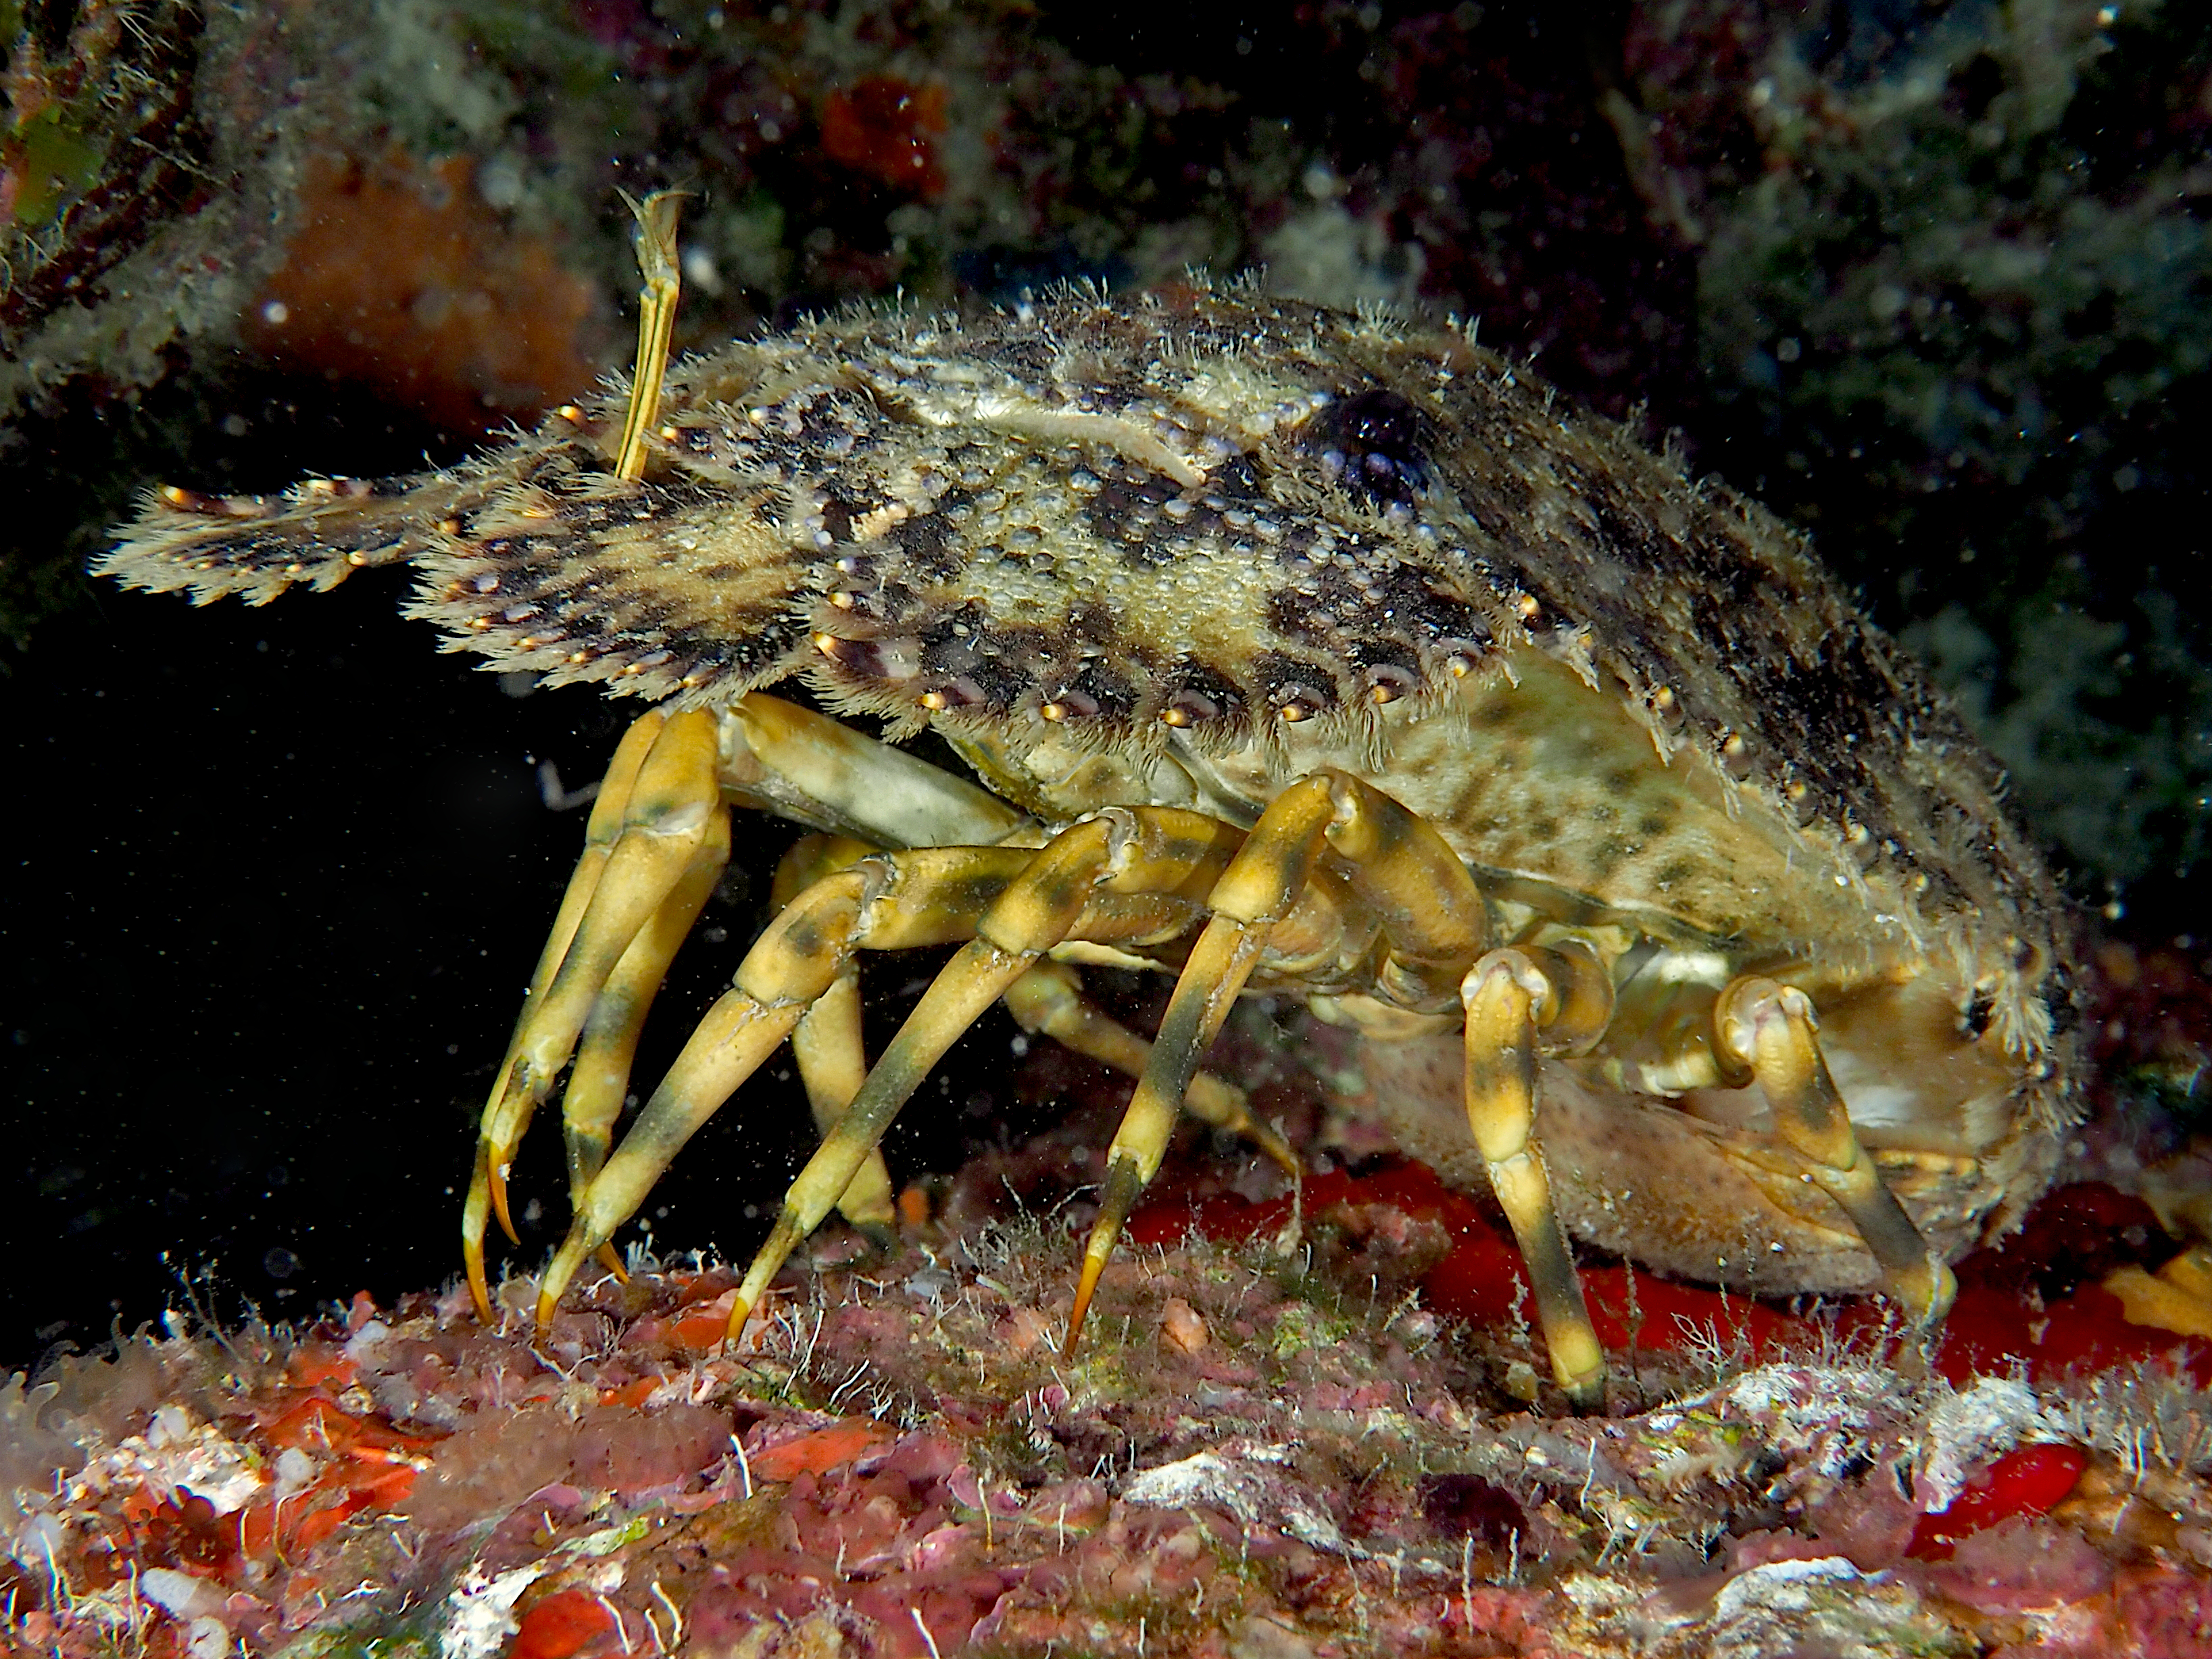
1269, 1445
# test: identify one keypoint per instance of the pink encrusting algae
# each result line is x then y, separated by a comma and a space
1274, 1446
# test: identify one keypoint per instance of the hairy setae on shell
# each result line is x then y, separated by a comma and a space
1216, 524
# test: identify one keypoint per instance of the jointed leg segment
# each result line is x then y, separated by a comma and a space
1433, 918
827, 1043
1257, 890
1049, 999
1334, 881
1509, 998
1767, 1029
892, 900
600, 1080
1067, 891
666, 834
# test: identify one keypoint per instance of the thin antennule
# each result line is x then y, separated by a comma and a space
657, 264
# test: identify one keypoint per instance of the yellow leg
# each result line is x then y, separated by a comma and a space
609, 820
1258, 889
1768, 1027
776, 755
814, 770
669, 818
598, 1082
1504, 995
832, 1061
1070, 889
1048, 1000
892, 900
1432, 917
832, 1065
601, 832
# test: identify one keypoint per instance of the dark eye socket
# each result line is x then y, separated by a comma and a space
1979, 1012
1380, 420
1377, 436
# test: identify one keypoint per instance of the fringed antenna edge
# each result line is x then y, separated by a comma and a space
317, 533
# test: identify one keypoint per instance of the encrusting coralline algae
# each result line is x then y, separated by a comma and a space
1262, 1454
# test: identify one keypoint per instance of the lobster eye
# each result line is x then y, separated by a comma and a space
1372, 441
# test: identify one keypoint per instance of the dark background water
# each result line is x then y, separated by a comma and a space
276, 878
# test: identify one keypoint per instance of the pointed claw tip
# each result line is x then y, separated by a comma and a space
1086, 1288
479, 1289
497, 1176
1123, 1183
740, 1311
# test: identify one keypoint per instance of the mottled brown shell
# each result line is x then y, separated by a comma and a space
1197, 519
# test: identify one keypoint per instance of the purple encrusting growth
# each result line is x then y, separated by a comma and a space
1262, 1453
